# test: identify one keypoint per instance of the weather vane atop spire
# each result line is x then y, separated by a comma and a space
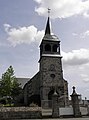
49, 12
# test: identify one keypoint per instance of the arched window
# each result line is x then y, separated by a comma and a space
55, 48
47, 47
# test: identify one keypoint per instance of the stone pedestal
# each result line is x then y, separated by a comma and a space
88, 110
55, 107
75, 103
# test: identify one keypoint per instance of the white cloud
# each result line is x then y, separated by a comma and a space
86, 15
39, 1
63, 8
39, 35
85, 77
85, 34
76, 57
76, 66
74, 34
7, 26
21, 35
76, 69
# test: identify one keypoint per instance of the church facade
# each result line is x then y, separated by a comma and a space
40, 88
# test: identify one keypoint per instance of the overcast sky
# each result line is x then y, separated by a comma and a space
22, 24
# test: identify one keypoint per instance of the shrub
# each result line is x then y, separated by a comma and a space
33, 105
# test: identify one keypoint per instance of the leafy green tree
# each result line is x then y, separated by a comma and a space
9, 86
16, 89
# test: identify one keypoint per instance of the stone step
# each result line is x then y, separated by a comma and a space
46, 112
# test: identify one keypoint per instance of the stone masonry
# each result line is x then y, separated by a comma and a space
40, 88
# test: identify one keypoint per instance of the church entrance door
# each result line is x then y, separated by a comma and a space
50, 98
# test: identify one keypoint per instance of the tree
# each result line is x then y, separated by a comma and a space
9, 86
16, 89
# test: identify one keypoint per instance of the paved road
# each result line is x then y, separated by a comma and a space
60, 119
69, 119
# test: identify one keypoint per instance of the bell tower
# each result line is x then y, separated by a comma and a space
51, 74
50, 43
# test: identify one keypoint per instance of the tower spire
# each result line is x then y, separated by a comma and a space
47, 30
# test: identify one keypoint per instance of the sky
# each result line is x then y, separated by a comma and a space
22, 25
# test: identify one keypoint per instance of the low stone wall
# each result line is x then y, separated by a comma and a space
84, 111
66, 111
7, 113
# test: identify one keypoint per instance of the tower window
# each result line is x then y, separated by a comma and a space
47, 47
55, 48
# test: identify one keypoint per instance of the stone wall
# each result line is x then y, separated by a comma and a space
51, 76
7, 113
31, 88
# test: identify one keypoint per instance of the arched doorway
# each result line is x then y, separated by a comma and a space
35, 99
50, 98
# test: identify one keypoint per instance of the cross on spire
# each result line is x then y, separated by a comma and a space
49, 12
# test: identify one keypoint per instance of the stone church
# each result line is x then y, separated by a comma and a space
40, 88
